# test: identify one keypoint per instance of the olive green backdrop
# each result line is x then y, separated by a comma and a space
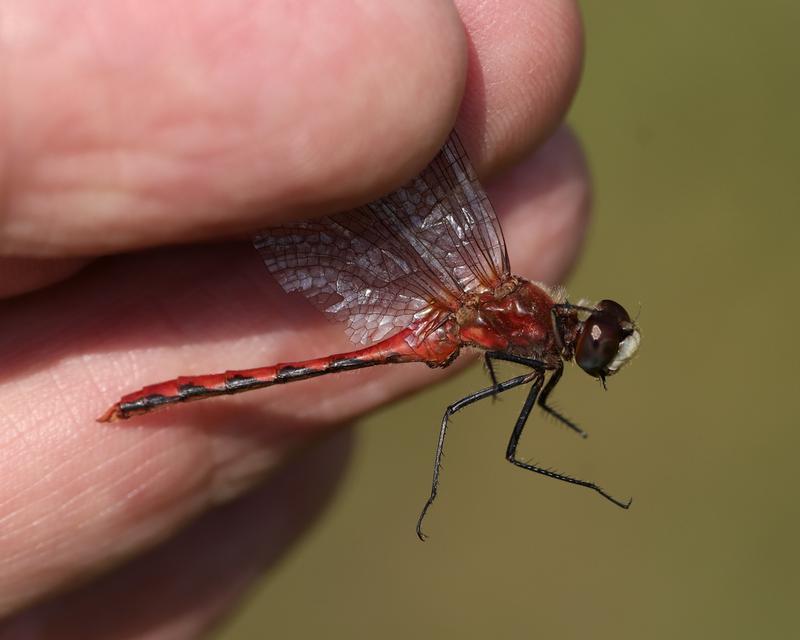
689, 114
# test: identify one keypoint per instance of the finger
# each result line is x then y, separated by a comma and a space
525, 59
220, 153
247, 110
546, 201
140, 318
182, 587
18, 275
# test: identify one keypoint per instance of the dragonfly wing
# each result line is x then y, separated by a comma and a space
410, 255
449, 217
343, 269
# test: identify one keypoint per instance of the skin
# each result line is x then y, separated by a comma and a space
118, 138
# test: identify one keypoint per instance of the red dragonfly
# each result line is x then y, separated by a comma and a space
416, 276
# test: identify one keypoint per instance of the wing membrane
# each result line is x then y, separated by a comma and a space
415, 251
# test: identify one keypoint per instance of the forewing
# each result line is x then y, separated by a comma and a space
413, 253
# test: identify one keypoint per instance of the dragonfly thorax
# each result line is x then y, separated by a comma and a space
516, 318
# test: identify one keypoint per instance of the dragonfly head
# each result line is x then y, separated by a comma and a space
608, 339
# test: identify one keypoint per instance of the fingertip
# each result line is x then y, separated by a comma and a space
406, 69
525, 61
544, 203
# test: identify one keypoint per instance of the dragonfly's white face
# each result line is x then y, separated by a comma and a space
627, 349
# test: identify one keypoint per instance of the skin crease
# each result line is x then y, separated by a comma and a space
172, 140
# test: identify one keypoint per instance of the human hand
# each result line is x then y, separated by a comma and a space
129, 127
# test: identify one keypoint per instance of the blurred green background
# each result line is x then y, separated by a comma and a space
689, 114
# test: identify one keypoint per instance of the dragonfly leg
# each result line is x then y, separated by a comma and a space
457, 406
490, 356
548, 388
487, 360
510, 357
511, 453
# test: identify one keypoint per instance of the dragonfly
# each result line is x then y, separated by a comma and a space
417, 276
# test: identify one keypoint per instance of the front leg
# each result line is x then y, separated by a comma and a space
540, 366
511, 454
548, 388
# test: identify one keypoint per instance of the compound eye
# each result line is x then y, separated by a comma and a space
613, 311
603, 331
